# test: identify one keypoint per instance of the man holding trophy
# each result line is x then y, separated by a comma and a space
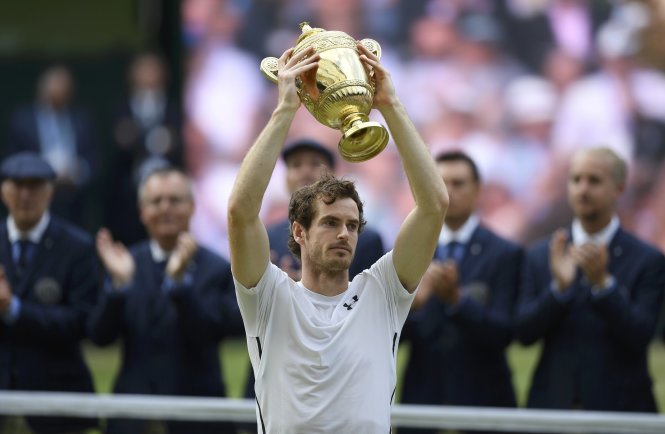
323, 349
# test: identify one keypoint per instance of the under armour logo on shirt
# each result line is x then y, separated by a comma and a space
350, 306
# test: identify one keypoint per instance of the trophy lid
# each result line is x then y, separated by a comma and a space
307, 31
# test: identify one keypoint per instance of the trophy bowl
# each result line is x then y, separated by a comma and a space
341, 95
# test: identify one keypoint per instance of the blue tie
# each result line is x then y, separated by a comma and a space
455, 251
23, 255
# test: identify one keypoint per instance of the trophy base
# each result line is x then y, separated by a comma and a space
363, 141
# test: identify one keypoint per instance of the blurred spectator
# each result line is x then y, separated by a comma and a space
146, 127
615, 104
592, 293
525, 178
224, 89
461, 320
562, 69
170, 301
459, 128
64, 134
537, 28
48, 286
484, 65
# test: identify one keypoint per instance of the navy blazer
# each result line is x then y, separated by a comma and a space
41, 351
457, 354
170, 338
368, 251
595, 348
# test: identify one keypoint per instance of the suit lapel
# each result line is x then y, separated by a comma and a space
472, 252
42, 252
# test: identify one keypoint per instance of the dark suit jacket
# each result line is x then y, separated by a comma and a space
40, 351
170, 339
595, 349
368, 250
458, 356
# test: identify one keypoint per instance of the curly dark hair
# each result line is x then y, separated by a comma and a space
302, 207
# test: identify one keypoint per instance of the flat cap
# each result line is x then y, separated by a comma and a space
26, 165
310, 145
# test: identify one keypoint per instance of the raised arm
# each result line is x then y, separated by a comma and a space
248, 239
417, 238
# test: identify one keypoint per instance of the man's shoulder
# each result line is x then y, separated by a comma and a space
488, 236
68, 233
634, 246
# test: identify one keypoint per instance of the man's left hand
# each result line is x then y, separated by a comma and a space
592, 259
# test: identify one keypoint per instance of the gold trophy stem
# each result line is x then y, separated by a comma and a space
361, 139
353, 120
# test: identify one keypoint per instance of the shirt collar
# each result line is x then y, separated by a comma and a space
158, 254
34, 235
463, 234
602, 237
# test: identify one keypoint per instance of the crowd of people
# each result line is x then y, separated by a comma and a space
538, 115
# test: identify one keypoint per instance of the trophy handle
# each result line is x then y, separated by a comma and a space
269, 68
372, 46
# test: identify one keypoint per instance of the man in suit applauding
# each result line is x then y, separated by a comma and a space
592, 293
48, 286
460, 322
170, 301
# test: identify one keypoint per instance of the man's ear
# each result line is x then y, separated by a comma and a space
299, 232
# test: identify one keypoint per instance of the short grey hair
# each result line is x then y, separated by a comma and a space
164, 171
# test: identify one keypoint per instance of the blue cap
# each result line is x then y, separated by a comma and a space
26, 165
309, 145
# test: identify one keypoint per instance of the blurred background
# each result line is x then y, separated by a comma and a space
517, 84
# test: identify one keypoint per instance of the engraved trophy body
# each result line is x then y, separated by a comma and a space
342, 96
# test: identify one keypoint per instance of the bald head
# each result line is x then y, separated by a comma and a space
617, 165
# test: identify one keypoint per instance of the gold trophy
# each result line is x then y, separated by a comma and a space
342, 96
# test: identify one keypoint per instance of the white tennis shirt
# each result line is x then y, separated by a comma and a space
325, 364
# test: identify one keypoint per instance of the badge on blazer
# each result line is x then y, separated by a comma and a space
478, 291
48, 290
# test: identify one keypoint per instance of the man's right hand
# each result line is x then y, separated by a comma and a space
303, 64
562, 263
117, 260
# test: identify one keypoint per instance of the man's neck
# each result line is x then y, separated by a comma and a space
455, 224
166, 244
325, 282
593, 226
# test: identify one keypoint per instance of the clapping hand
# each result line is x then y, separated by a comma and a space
592, 259
181, 256
115, 257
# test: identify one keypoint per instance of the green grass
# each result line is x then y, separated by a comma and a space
104, 363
